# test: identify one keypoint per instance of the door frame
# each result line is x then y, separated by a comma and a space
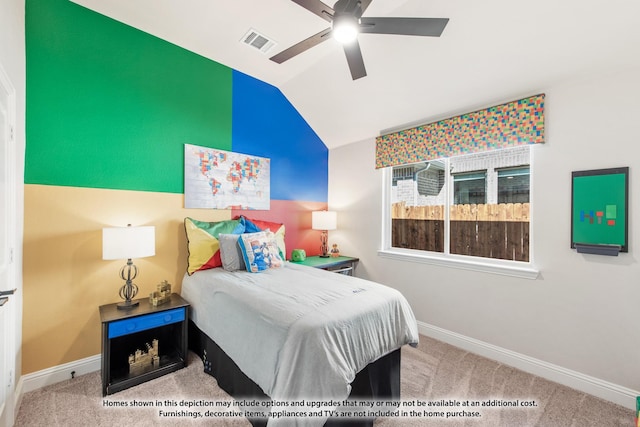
11, 330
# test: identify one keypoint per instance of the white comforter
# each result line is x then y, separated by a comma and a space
299, 332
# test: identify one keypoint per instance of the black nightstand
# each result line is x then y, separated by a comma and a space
125, 331
342, 264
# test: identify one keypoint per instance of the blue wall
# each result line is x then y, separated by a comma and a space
266, 124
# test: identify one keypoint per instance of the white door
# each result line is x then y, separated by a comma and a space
8, 311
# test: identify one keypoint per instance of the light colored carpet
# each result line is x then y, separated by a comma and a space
433, 372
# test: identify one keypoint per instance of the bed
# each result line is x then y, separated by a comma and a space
298, 333
288, 334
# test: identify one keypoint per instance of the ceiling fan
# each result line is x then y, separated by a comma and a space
347, 22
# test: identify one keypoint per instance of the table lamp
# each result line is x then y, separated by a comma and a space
324, 221
128, 243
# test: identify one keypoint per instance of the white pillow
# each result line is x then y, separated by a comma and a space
260, 251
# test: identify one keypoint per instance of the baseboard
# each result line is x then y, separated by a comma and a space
55, 374
605, 390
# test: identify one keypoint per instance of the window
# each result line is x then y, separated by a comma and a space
513, 185
469, 188
475, 205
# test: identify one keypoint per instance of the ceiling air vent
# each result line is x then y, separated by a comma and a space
257, 40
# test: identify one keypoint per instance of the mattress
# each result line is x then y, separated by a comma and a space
298, 332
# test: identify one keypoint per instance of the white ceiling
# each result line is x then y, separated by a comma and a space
492, 51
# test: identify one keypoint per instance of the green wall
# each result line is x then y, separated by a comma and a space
109, 106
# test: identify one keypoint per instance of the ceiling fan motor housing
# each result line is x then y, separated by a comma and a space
350, 8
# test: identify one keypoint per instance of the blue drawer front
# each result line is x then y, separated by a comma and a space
142, 323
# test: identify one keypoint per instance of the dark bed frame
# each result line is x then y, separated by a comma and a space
379, 380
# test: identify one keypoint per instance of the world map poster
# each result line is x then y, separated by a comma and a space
217, 179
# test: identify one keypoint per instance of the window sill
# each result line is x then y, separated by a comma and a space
462, 263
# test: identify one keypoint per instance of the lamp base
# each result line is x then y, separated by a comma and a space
127, 305
129, 290
324, 247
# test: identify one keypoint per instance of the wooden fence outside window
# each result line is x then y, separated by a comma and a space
499, 231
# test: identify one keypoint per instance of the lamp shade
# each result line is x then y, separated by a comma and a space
128, 242
324, 220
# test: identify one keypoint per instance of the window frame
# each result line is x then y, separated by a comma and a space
526, 270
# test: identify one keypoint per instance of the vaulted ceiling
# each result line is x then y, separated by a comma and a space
491, 51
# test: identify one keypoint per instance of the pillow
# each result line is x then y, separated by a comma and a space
260, 251
203, 243
230, 252
255, 225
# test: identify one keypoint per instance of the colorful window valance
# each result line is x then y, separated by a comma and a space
507, 125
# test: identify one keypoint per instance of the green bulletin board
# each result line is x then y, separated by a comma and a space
599, 211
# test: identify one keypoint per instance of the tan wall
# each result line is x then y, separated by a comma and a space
65, 278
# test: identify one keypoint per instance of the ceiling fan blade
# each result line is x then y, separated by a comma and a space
354, 59
297, 48
404, 26
318, 8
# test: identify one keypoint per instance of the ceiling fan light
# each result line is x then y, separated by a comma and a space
345, 30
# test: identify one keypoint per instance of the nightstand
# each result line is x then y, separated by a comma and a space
131, 333
342, 264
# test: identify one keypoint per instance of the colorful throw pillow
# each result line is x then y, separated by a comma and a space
203, 243
260, 251
230, 252
255, 225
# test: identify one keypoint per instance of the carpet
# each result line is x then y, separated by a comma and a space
441, 386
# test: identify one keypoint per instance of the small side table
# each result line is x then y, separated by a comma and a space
125, 331
342, 264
